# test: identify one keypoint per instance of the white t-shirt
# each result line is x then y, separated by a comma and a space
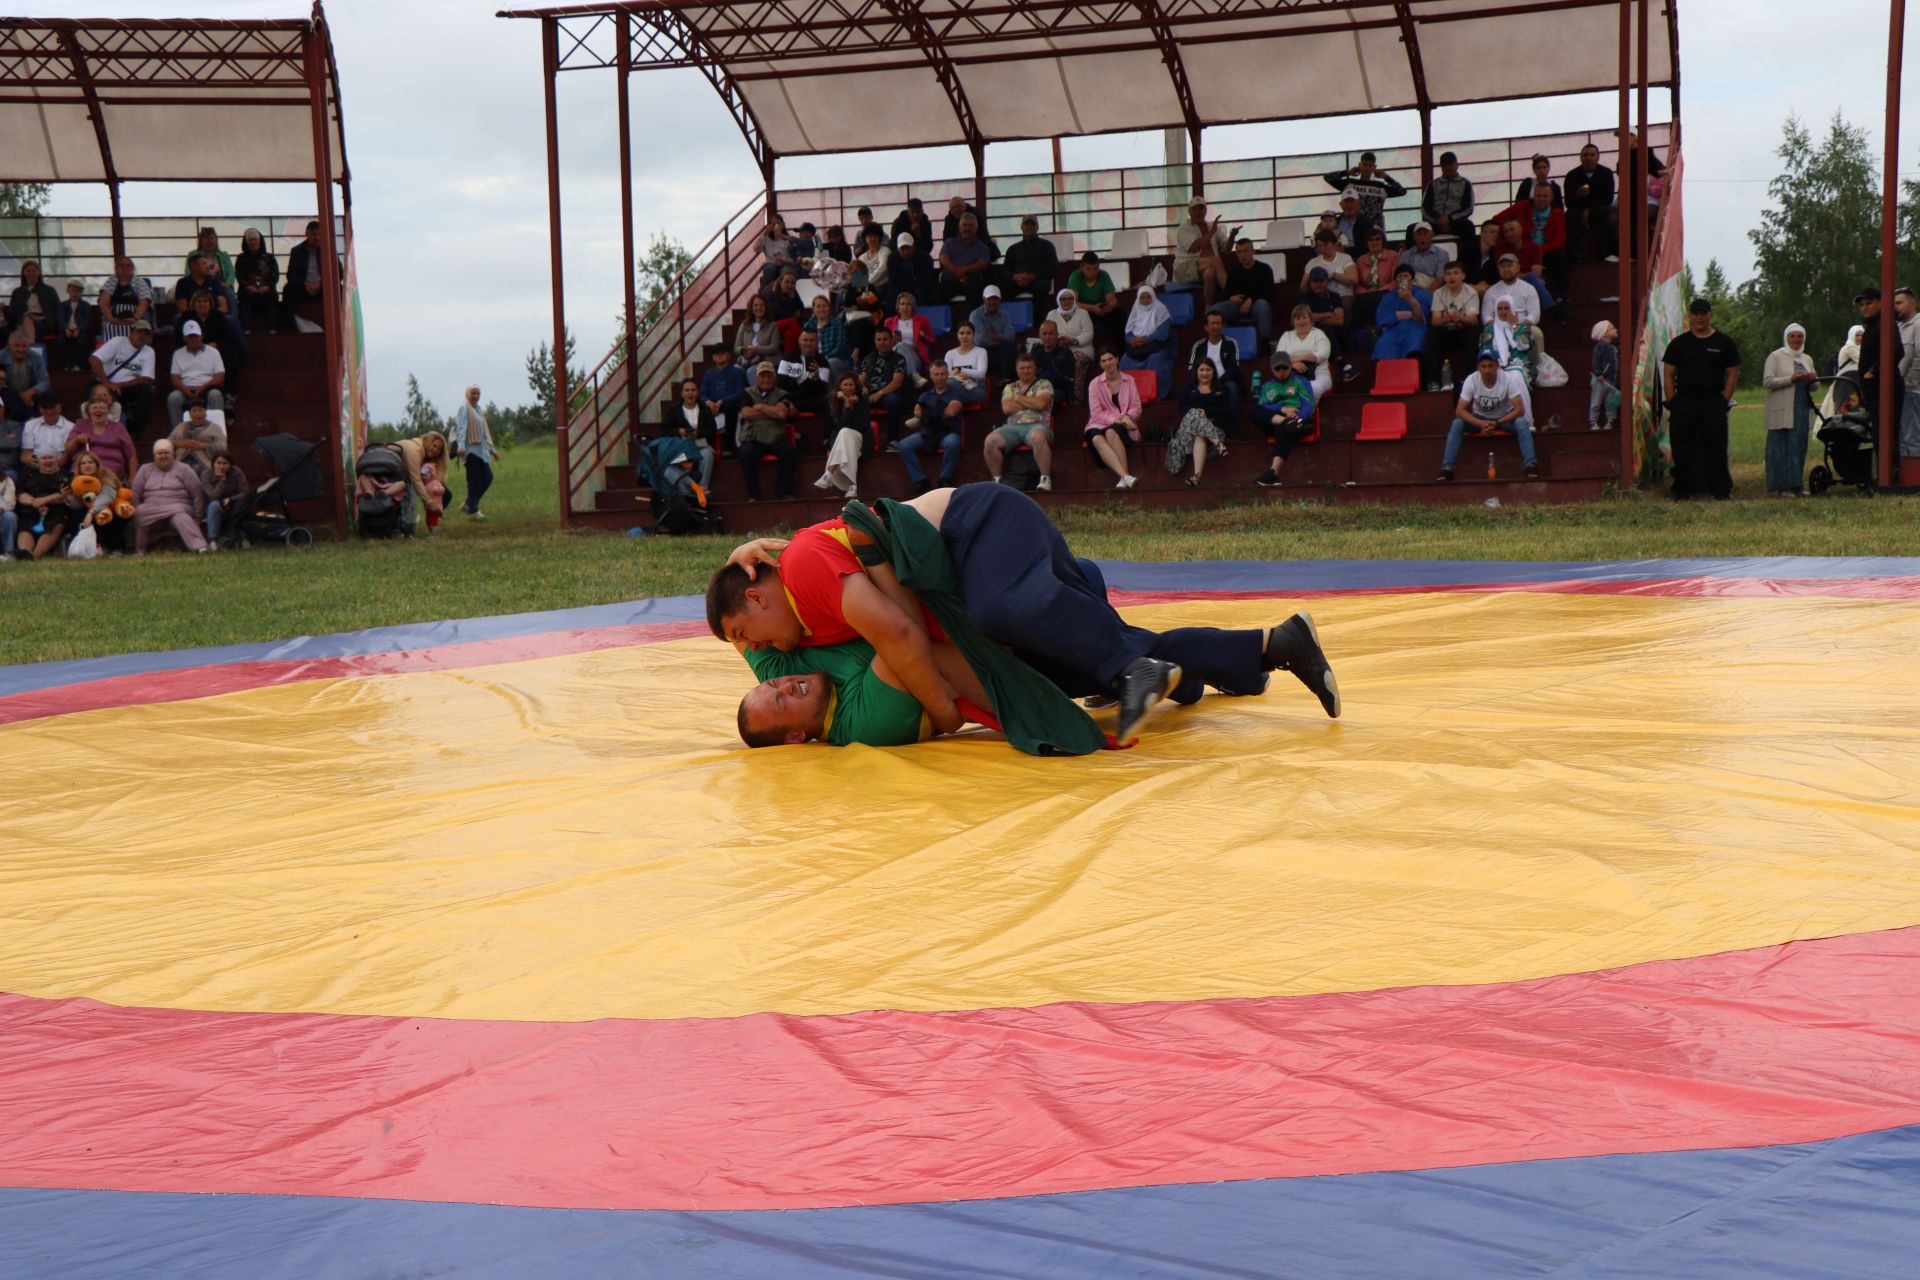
1495, 402
971, 364
1526, 303
1340, 262
115, 350
39, 437
196, 370
1461, 302
1315, 344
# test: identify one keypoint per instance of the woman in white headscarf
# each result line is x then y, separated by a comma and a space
1513, 340
1788, 377
1848, 361
473, 441
1074, 322
1149, 336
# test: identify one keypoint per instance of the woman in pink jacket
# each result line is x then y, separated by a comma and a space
1113, 417
167, 494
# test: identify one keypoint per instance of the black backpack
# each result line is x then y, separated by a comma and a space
677, 514
1022, 472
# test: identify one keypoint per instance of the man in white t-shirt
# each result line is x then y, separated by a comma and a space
1455, 336
1328, 255
1526, 301
1492, 400
126, 364
197, 372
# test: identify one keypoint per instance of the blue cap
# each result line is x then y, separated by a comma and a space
1486, 353
1318, 273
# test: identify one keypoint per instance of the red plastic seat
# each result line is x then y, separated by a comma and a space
1396, 378
1147, 383
1383, 422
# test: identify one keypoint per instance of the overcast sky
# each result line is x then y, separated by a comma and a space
444, 134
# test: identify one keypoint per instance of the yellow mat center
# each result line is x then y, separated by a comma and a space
1523, 784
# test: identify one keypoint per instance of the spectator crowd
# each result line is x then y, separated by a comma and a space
61, 476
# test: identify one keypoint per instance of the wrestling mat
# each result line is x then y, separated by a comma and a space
1586, 944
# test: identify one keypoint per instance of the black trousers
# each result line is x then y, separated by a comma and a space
1024, 588
1454, 348
1698, 433
786, 459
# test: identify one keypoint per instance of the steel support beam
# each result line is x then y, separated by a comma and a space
549, 66
624, 107
1156, 19
1891, 387
84, 79
1629, 340
314, 55
913, 19
1416, 65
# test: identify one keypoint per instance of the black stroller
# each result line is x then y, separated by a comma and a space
265, 514
1847, 440
379, 515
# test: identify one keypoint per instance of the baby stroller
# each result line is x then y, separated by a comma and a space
1847, 440
378, 515
665, 466
264, 514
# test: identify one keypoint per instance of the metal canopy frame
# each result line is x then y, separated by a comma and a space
741, 42
116, 64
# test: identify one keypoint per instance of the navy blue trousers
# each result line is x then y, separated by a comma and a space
1024, 588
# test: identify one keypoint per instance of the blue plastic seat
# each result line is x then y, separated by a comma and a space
939, 316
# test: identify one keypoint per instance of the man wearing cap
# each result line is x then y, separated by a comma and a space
1448, 205
1328, 309
1372, 187
993, 329
1511, 286
1491, 399
1908, 315
763, 433
1428, 260
1871, 319
910, 269
1352, 225
126, 365
1249, 292
965, 261
74, 326
197, 373
1199, 250
1700, 369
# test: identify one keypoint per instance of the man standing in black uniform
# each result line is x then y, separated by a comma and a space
1874, 322
1701, 368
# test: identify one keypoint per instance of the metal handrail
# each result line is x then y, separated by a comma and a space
689, 313
81, 246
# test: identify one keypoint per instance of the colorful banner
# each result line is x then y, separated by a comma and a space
1665, 316
353, 369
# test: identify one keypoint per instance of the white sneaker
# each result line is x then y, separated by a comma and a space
1613, 257
1046, 484
825, 481
479, 515
1126, 482
999, 479
851, 491
5, 559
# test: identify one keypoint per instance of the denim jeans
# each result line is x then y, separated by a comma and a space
1262, 312
479, 480
211, 522
9, 532
1522, 431
949, 446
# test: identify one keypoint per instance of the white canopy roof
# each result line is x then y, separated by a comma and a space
128, 97
814, 76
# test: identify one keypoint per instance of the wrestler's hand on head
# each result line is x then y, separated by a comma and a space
751, 555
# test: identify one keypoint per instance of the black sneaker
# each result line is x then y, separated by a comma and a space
925, 486
1268, 480
1533, 473
1446, 474
1141, 687
1295, 646
1100, 702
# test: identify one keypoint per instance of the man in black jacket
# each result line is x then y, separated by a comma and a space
1589, 192
1249, 292
1874, 321
1220, 351
304, 281
1030, 264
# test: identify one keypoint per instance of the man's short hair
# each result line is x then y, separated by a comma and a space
1699, 307
937, 364
863, 212
756, 738
1402, 270
1243, 240
726, 596
1026, 357
314, 225
1089, 258
1030, 221
1368, 155
1326, 234
1454, 264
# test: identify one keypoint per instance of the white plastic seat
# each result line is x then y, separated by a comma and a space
1277, 234
1130, 242
1062, 245
808, 291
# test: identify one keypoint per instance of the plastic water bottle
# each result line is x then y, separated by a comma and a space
1493, 473
1256, 384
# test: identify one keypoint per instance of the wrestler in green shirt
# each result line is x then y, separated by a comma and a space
854, 703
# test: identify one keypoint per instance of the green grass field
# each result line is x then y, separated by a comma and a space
522, 560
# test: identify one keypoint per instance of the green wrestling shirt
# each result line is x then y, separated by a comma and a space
863, 707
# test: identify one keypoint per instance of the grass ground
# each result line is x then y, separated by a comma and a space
521, 560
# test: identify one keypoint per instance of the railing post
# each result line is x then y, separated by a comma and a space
550, 69
625, 73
